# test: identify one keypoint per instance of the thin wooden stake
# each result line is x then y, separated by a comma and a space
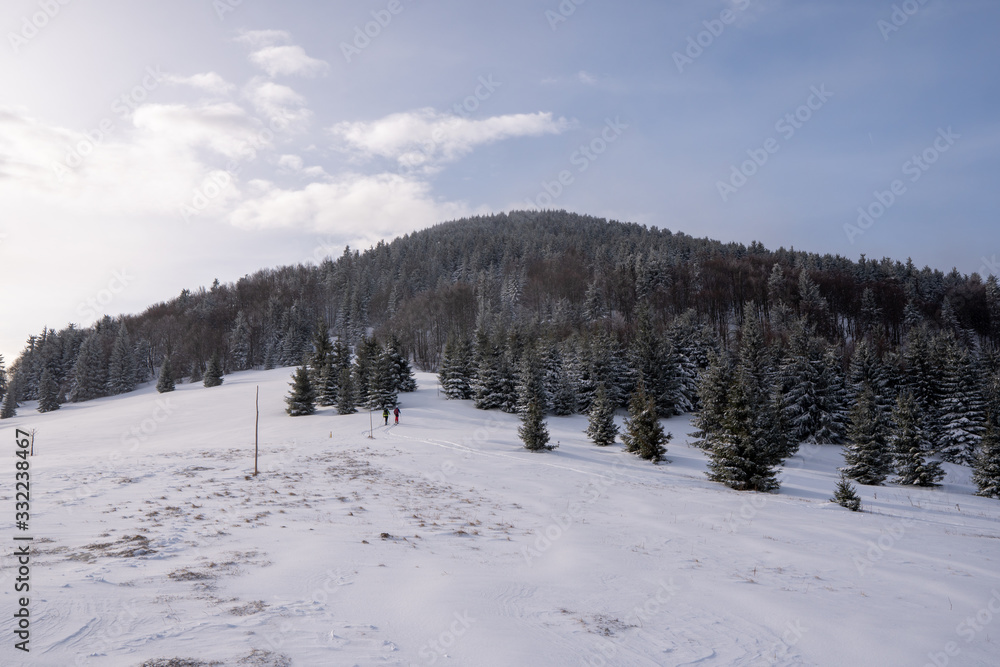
256, 429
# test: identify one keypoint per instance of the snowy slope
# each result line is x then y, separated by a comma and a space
442, 542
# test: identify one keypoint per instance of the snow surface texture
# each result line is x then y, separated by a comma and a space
443, 542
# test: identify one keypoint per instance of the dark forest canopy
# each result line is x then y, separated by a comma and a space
541, 275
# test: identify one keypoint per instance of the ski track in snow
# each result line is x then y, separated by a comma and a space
441, 541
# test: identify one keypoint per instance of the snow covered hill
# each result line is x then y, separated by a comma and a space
442, 542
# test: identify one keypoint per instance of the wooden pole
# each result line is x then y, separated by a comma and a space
371, 425
32, 442
256, 430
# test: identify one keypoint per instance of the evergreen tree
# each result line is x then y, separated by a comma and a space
213, 374
846, 495
713, 394
3, 380
88, 371
655, 364
382, 393
867, 370
345, 393
165, 382
487, 385
329, 384
196, 375
402, 373
909, 446
239, 343
986, 473
742, 452
121, 365
302, 398
533, 431
9, 408
456, 369
320, 356
48, 393
962, 408
867, 454
365, 361
644, 434
601, 427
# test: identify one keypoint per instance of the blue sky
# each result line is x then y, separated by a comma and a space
149, 147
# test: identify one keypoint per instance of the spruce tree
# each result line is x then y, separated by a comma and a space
487, 361
302, 398
456, 369
382, 392
89, 371
329, 384
9, 408
402, 372
346, 393
986, 472
213, 374
239, 343
866, 453
846, 495
962, 408
3, 380
121, 365
533, 431
196, 375
713, 393
601, 427
644, 434
165, 382
319, 357
48, 393
909, 446
742, 452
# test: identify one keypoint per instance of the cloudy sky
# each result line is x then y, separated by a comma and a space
155, 146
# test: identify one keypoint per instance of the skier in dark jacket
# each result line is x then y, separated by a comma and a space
396, 413
385, 415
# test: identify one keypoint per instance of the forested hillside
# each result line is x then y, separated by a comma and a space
580, 302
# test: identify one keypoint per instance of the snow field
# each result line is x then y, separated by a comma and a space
442, 542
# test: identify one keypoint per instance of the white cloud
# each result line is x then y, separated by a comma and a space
586, 78
278, 102
279, 60
259, 38
223, 128
210, 82
371, 206
424, 139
